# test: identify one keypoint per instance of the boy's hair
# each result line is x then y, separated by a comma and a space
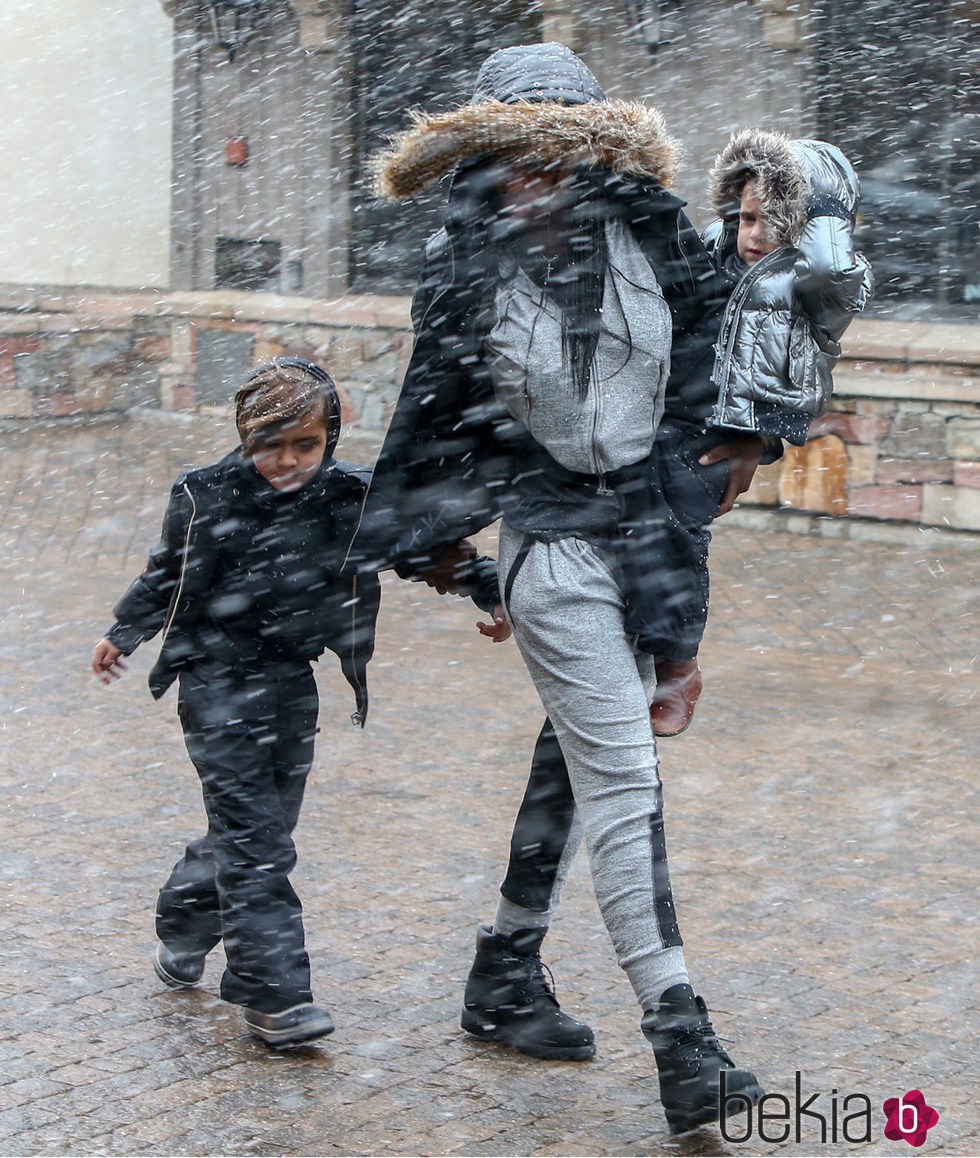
281, 391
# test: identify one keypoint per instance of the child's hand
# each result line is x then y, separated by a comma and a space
106, 661
499, 631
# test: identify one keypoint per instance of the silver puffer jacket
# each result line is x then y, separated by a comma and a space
780, 337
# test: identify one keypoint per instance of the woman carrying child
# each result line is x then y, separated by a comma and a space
784, 243
549, 308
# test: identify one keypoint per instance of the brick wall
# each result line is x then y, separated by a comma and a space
900, 447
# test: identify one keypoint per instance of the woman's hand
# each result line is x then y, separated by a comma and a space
449, 572
743, 456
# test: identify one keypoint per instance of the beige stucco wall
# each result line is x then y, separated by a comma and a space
85, 142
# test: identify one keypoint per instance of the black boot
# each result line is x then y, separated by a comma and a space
690, 1059
508, 998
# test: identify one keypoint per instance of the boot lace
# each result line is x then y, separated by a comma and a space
709, 1042
692, 1043
538, 982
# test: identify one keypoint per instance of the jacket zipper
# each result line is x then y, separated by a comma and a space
178, 593
726, 339
357, 717
596, 413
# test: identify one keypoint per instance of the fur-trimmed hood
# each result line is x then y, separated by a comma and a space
795, 179
625, 137
534, 104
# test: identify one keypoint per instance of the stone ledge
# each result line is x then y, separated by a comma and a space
912, 342
852, 528
368, 310
868, 339
904, 385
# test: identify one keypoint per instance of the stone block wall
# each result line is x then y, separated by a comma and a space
898, 450
76, 354
901, 441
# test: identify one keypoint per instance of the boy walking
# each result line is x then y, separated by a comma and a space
246, 586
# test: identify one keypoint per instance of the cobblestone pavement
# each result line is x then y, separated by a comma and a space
821, 818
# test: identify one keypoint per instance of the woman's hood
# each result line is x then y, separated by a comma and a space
534, 104
536, 72
794, 180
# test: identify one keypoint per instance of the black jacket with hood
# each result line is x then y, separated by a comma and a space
453, 459
247, 577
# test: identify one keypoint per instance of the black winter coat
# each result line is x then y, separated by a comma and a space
454, 460
250, 577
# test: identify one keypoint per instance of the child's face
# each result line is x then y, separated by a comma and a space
291, 455
752, 243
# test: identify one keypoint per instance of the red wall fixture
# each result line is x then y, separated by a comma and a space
236, 151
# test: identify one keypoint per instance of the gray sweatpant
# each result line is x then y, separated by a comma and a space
564, 601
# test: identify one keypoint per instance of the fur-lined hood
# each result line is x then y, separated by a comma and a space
794, 179
626, 137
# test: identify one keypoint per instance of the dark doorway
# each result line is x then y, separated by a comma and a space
413, 54
247, 265
899, 91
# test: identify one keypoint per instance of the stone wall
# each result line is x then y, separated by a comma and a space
900, 443
69, 353
899, 449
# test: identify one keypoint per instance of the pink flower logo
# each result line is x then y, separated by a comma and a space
909, 1117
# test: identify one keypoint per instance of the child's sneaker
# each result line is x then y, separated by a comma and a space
178, 970
676, 697
292, 1026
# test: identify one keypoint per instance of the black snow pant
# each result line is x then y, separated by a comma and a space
250, 735
679, 500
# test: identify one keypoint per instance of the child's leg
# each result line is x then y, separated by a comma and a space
692, 493
676, 697
299, 707
188, 917
252, 775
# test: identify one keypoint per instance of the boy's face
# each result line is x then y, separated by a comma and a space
291, 455
752, 243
